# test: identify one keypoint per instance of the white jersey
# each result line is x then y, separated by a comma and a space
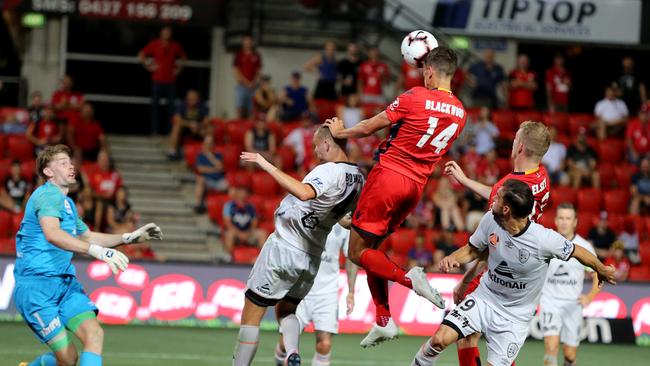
327, 279
306, 224
564, 280
517, 265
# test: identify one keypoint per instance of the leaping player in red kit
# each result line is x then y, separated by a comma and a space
530, 144
424, 122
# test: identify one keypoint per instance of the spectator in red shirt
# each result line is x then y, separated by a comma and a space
619, 260
45, 131
373, 73
66, 101
164, 58
523, 84
637, 136
558, 86
247, 65
410, 76
105, 181
458, 81
85, 135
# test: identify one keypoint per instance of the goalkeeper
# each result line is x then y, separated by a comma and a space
47, 294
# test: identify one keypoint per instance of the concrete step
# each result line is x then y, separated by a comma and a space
127, 166
143, 175
146, 183
170, 200
166, 211
184, 237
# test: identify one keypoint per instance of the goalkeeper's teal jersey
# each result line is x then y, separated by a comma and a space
36, 257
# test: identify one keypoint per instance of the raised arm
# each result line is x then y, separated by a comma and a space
300, 190
460, 256
469, 276
605, 273
364, 128
452, 168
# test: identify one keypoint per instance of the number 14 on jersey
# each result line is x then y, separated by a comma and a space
440, 140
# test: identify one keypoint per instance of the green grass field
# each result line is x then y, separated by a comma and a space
167, 346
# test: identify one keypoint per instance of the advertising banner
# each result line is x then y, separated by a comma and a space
213, 296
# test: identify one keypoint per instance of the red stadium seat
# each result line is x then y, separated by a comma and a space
214, 203
236, 131
589, 200
325, 109
3, 145
607, 174
191, 152
564, 140
16, 219
558, 120
7, 246
504, 120
287, 128
624, 173
277, 130
616, 201
220, 131
611, 151
240, 178
562, 194
5, 169
28, 170
264, 184
402, 241
585, 222
578, 121
461, 238
5, 224
615, 222
230, 154
548, 218
20, 148
269, 206
268, 226
644, 252
244, 254
287, 158
639, 273
527, 116
430, 237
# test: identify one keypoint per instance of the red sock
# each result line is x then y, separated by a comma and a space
379, 291
376, 263
469, 356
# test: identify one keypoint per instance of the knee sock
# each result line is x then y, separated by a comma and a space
379, 291
378, 264
47, 359
90, 359
246, 347
279, 356
469, 356
569, 362
290, 333
550, 360
427, 355
321, 360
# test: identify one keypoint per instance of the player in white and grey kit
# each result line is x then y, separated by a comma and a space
562, 300
505, 301
287, 265
321, 305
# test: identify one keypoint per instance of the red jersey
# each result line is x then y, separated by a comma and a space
46, 129
425, 124
86, 134
639, 134
72, 97
522, 97
372, 75
105, 184
538, 181
248, 64
164, 56
558, 80
412, 76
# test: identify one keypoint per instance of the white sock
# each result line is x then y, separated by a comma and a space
290, 333
426, 356
550, 360
246, 347
279, 356
321, 360
567, 363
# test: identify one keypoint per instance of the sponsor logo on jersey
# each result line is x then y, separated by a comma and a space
509, 244
395, 104
560, 277
265, 288
493, 239
54, 324
568, 249
524, 254
504, 270
317, 181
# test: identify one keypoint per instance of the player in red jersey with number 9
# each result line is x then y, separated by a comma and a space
531, 143
424, 122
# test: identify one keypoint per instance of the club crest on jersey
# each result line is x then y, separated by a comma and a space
395, 104
512, 350
524, 254
493, 239
67, 207
310, 221
568, 249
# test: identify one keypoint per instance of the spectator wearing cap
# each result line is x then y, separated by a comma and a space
523, 84
210, 173
164, 58
265, 101
247, 65
629, 86
619, 260
46, 130
85, 135
486, 78
581, 162
189, 121
640, 189
295, 99
601, 236
324, 63
558, 86
554, 159
66, 101
348, 69
611, 115
637, 135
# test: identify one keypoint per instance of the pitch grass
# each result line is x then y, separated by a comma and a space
173, 346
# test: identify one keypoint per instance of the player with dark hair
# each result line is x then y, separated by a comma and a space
424, 122
505, 301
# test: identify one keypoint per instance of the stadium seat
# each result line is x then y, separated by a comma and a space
244, 254
402, 240
473, 113
258, 203
616, 222
461, 238
230, 154
5, 224
20, 148
611, 151
191, 152
577, 121
325, 109
504, 120
7, 246
624, 173
589, 200
616, 201
28, 170
268, 226
585, 222
5, 169
558, 120
548, 218
287, 158
639, 273
3, 145
220, 131
564, 140
240, 178
287, 128
236, 131
562, 194
527, 116
644, 252
269, 206
214, 203
277, 130
430, 237
607, 174
16, 219
15, 114
264, 184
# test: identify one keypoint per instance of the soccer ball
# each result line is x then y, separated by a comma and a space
416, 45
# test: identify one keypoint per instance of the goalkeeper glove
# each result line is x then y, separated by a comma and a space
147, 232
116, 260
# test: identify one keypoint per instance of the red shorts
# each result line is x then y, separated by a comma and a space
386, 199
473, 285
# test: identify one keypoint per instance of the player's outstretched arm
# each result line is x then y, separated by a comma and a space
459, 257
300, 190
147, 232
364, 128
585, 300
469, 275
605, 273
351, 270
452, 168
